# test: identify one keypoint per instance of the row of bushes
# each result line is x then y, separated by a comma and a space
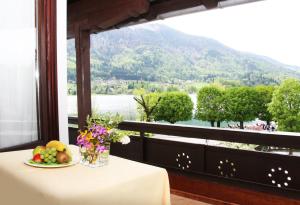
217, 104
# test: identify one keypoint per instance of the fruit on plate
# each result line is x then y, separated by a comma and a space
37, 158
38, 150
54, 152
68, 152
62, 157
49, 155
59, 146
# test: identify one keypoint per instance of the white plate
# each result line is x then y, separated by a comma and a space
72, 163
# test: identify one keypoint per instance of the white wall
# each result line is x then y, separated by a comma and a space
62, 69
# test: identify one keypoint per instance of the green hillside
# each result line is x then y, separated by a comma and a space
159, 54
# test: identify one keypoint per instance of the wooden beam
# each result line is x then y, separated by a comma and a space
166, 6
100, 15
82, 44
210, 4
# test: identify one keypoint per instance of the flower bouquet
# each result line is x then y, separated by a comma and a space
94, 141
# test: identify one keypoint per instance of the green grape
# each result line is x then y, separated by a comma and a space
53, 160
46, 155
43, 152
46, 160
54, 154
50, 157
53, 149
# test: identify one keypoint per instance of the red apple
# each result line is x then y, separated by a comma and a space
37, 158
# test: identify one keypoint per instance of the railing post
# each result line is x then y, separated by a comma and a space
142, 135
82, 44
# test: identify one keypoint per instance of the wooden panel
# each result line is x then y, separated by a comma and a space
132, 151
178, 155
223, 194
280, 171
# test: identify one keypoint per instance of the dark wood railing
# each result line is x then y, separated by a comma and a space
263, 171
288, 140
73, 120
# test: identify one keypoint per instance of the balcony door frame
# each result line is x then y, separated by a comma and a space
47, 100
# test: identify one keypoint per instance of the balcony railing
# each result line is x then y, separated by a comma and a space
256, 170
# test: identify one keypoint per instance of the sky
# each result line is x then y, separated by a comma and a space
270, 28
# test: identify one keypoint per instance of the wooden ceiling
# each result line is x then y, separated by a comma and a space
99, 15
71, 1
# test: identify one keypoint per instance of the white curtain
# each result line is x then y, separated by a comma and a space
18, 100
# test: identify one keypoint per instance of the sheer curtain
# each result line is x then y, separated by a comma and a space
18, 100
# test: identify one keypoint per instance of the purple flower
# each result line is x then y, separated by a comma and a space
98, 131
81, 140
94, 135
100, 148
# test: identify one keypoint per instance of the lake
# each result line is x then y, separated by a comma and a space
124, 105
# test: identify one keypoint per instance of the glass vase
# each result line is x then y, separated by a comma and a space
91, 157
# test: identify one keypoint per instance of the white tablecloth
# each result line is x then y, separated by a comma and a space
122, 182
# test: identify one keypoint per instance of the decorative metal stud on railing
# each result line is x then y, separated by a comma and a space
226, 168
279, 177
183, 161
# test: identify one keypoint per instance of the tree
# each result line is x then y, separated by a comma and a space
264, 98
172, 88
174, 107
147, 104
285, 105
241, 104
210, 105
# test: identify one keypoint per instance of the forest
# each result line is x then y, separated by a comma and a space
158, 58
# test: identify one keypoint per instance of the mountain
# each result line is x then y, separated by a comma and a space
158, 53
